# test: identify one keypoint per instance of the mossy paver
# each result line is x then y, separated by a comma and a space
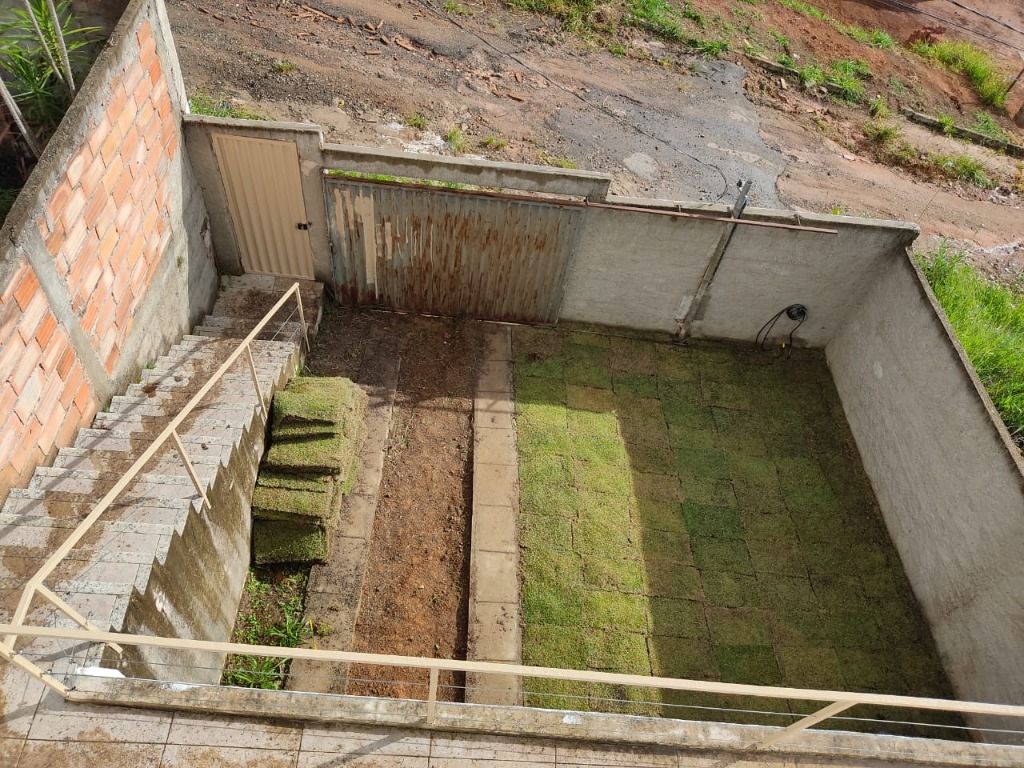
701, 512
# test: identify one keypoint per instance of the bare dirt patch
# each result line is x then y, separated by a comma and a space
415, 593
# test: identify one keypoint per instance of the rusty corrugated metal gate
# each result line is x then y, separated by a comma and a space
445, 252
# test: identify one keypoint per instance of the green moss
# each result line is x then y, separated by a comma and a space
294, 505
275, 541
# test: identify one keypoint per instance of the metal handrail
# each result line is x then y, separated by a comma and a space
35, 586
837, 701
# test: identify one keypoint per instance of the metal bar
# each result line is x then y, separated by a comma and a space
568, 203
193, 476
63, 46
19, 119
502, 668
42, 41
302, 319
73, 614
256, 380
28, 667
800, 725
83, 527
432, 695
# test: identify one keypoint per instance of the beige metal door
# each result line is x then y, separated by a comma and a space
264, 191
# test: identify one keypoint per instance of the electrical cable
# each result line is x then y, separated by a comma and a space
795, 312
767, 328
983, 15
951, 22
593, 105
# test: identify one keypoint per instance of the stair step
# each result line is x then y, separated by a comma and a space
137, 442
143, 486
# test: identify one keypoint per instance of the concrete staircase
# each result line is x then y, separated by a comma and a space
160, 561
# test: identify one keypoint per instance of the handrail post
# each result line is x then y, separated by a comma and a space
255, 379
432, 695
803, 724
189, 468
31, 669
302, 316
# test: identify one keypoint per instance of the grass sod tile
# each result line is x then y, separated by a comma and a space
693, 439
708, 491
670, 617
853, 628
786, 592
647, 485
633, 356
707, 520
682, 657
739, 626
634, 384
529, 343
702, 463
614, 611
302, 450
768, 527
593, 426
676, 364
798, 628
589, 399
539, 531
660, 516
589, 338
625, 700
602, 478
616, 651
587, 366
602, 539
670, 578
780, 557
552, 588
538, 390
287, 504
600, 451
654, 434
664, 545
721, 394
750, 664
322, 401
627, 576
545, 693
810, 667
731, 590
715, 554
546, 645
276, 541
875, 671
656, 459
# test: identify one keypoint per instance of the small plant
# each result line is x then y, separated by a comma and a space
880, 132
847, 76
455, 139
984, 75
494, 143
457, 8
657, 16
985, 124
709, 48
837, 209
879, 108
283, 66
876, 38
617, 49
963, 168
805, 9
811, 75
558, 162
780, 40
947, 124
416, 120
220, 106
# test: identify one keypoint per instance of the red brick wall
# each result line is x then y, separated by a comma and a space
107, 222
106, 225
45, 396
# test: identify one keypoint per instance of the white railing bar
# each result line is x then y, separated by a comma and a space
47, 594
191, 470
432, 695
519, 670
21, 611
803, 724
255, 379
27, 666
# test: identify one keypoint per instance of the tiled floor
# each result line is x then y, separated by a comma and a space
702, 512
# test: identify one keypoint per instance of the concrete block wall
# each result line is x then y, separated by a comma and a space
948, 479
105, 258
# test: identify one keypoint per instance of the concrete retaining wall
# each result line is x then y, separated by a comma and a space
950, 483
106, 258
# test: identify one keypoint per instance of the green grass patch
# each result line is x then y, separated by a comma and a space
220, 106
976, 64
989, 322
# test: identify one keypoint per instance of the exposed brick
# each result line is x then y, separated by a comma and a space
33, 315
9, 313
142, 188
98, 135
72, 384
105, 327
73, 208
69, 427
73, 243
89, 317
78, 165
114, 170
156, 72
124, 213
89, 411
129, 145
147, 45
46, 329
28, 398
53, 352
59, 199
121, 189
118, 98
150, 222
107, 246
110, 145
112, 358
49, 401
93, 174
126, 118
26, 288
172, 145
106, 218
67, 359
93, 209
27, 362
11, 350
123, 315
134, 75
83, 399
146, 114
56, 239
141, 91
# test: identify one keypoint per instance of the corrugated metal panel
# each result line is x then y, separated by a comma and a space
441, 252
264, 190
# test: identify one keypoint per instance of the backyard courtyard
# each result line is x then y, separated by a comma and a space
701, 512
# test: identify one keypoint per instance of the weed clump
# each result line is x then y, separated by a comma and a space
989, 321
220, 106
988, 82
455, 139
